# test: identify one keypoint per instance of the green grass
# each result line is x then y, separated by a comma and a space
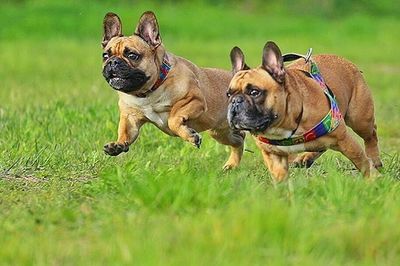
63, 202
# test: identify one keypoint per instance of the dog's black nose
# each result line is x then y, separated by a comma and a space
238, 99
236, 106
114, 62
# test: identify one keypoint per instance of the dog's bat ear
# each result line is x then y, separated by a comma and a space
237, 60
112, 27
272, 61
148, 29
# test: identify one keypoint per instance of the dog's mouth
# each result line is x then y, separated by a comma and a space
249, 118
133, 82
121, 77
117, 83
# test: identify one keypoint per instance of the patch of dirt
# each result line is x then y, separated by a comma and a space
33, 179
28, 178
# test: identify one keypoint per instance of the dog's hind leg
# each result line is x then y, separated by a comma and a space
350, 148
234, 139
370, 138
360, 117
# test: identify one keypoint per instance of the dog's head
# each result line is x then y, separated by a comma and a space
257, 97
131, 63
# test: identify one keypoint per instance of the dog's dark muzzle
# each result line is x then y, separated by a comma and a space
244, 115
122, 77
236, 107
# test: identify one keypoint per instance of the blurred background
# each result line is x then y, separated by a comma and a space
361, 30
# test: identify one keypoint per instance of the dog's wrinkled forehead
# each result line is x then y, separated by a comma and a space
257, 77
117, 45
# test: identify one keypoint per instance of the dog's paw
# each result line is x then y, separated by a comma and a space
195, 138
229, 166
303, 163
115, 148
304, 160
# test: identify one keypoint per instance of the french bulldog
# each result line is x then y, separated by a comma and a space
289, 109
166, 90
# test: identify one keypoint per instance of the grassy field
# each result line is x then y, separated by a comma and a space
63, 202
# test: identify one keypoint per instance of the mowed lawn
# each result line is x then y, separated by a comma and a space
63, 202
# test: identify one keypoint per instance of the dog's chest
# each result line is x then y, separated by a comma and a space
280, 133
156, 110
289, 149
158, 118
277, 133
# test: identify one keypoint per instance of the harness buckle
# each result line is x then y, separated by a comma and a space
293, 56
308, 55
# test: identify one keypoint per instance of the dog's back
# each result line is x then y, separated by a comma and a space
213, 84
353, 95
343, 78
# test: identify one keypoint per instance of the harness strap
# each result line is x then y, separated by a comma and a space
328, 124
293, 56
298, 120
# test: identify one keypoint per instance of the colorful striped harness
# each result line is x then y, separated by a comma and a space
328, 124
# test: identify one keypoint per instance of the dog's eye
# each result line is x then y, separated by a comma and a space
133, 56
228, 94
254, 92
105, 56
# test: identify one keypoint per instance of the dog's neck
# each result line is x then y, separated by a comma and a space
318, 129
291, 125
294, 105
164, 69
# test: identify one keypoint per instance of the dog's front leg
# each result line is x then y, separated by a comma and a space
128, 131
183, 112
278, 165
